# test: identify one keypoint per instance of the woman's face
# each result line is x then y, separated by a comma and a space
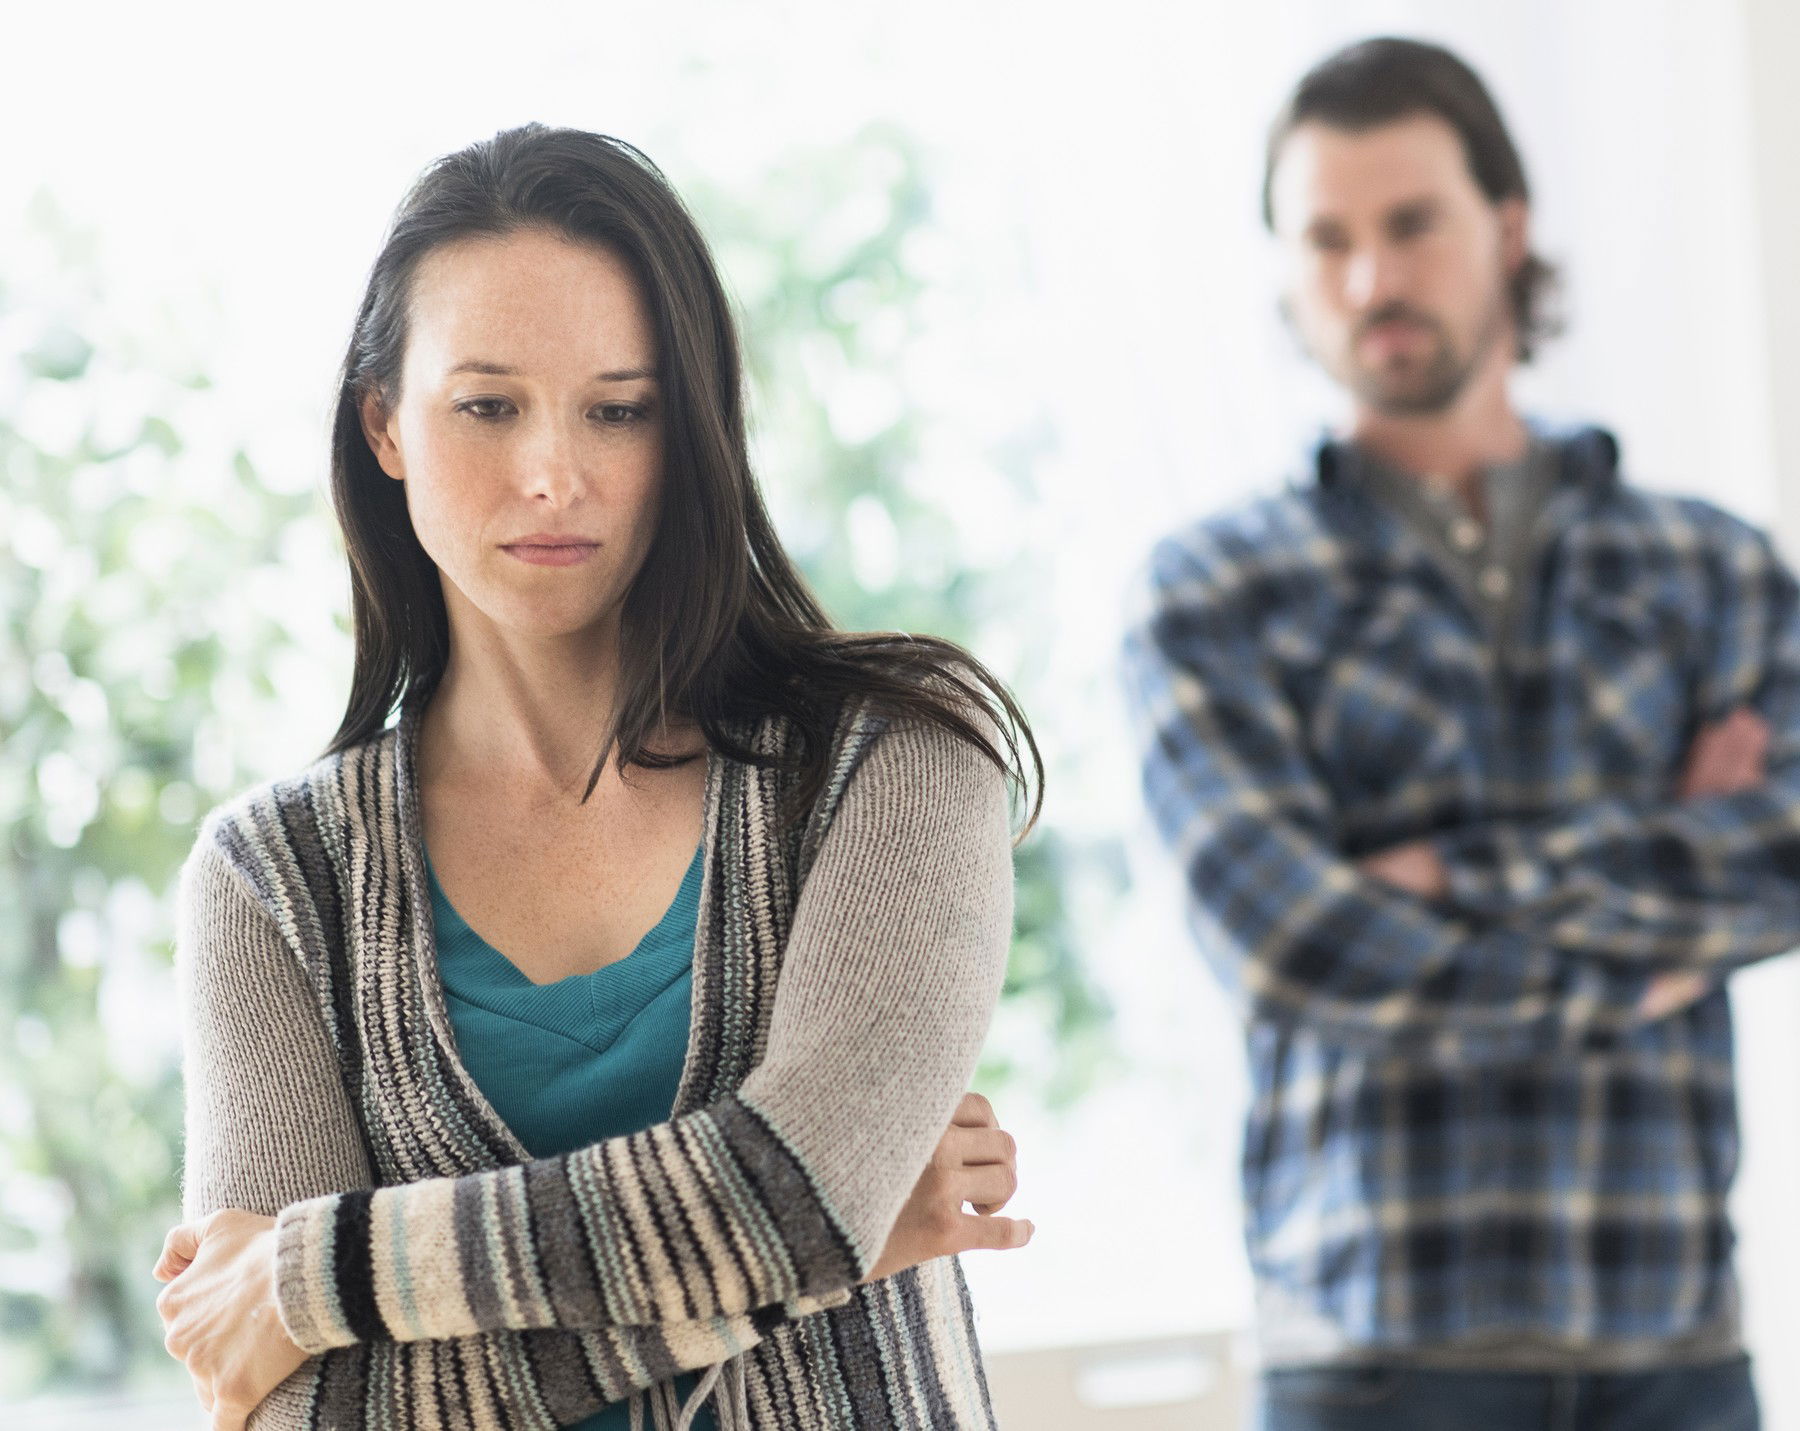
527, 432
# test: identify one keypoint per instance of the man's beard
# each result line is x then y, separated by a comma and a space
1422, 389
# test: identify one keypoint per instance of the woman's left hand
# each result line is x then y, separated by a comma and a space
975, 1162
219, 1313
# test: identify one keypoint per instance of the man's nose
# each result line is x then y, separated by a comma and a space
1371, 278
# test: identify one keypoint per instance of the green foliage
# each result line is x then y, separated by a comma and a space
825, 255
122, 658
147, 593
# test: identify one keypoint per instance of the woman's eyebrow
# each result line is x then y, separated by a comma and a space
501, 370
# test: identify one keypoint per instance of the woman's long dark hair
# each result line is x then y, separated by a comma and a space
718, 627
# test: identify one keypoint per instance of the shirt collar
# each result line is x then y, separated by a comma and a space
1589, 456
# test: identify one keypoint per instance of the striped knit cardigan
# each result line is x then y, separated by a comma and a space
845, 969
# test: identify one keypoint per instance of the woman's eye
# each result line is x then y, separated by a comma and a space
618, 414
485, 407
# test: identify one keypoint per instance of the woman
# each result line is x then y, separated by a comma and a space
485, 1188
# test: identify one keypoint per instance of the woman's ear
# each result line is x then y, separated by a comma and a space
377, 426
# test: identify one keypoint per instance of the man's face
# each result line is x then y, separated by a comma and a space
1398, 264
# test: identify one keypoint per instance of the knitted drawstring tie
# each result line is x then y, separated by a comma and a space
729, 1399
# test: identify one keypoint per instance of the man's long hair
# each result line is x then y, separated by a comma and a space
1375, 82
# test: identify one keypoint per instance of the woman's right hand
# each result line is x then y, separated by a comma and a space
975, 1162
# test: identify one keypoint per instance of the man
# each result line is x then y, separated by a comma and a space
1483, 771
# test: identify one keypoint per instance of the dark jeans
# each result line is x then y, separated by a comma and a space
1386, 1398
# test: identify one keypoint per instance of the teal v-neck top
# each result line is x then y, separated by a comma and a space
589, 1057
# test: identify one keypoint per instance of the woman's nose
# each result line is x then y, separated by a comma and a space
553, 466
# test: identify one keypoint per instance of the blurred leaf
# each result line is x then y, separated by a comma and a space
61, 356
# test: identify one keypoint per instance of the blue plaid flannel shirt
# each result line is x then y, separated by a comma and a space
1462, 1127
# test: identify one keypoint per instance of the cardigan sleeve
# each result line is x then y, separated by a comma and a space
268, 1120
771, 1201
270, 1123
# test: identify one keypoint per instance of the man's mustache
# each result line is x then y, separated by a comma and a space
1396, 312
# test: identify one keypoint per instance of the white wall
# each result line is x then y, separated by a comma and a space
1768, 999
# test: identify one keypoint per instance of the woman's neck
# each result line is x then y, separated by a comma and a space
526, 712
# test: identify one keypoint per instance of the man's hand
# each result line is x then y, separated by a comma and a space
219, 1313
1415, 868
1727, 757
1670, 993
974, 1163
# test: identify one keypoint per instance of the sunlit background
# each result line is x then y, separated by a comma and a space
1010, 314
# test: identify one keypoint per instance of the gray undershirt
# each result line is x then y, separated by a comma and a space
1489, 562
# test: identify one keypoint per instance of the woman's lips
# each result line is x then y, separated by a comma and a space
552, 553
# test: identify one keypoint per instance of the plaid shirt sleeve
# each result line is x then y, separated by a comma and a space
1706, 885
1293, 928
